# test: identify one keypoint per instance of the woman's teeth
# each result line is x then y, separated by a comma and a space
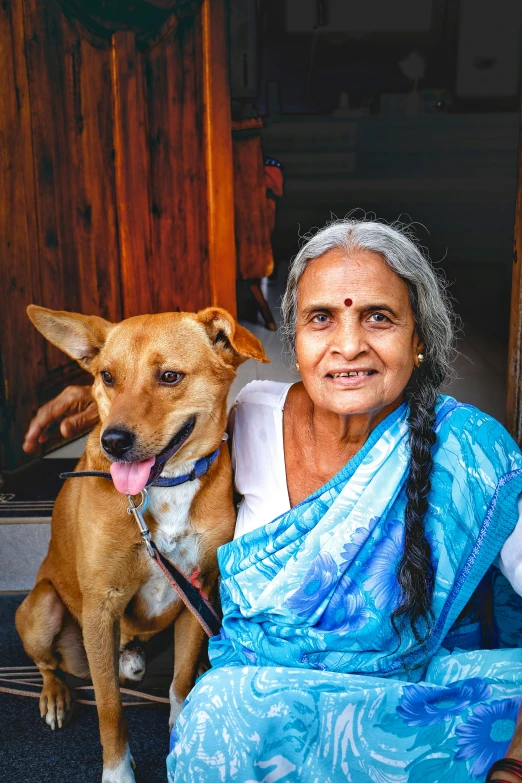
351, 374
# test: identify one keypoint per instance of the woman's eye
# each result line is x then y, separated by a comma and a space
378, 318
171, 377
320, 318
107, 378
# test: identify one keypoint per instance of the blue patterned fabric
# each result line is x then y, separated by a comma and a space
310, 681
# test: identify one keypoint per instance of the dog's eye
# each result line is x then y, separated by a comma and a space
107, 378
170, 377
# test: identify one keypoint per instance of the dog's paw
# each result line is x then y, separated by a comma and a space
122, 772
132, 663
55, 701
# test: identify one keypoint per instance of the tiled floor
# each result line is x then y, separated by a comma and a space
480, 365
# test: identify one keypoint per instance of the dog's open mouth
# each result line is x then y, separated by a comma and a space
131, 477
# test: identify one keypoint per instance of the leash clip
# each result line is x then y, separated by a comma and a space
137, 512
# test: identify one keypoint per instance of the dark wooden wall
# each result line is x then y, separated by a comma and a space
116, 182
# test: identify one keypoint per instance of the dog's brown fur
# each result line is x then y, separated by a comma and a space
96, 590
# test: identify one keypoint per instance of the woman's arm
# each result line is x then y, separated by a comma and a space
510, 563
510, 558
230, 432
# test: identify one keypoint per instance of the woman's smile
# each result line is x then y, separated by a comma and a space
350, 379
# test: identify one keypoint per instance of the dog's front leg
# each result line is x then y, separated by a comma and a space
188, 640
101, 632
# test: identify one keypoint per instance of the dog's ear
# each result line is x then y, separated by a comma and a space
235, 342
79, 336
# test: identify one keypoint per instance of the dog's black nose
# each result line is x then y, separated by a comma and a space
117, 442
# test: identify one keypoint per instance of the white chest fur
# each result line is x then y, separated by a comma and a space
175, 538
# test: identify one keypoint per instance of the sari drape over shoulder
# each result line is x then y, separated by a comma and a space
310, 681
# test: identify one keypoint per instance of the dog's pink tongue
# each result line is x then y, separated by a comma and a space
131, 477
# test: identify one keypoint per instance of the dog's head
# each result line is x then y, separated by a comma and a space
160, 382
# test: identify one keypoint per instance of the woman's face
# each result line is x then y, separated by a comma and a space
374, 335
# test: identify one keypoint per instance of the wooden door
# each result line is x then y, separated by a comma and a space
117, 192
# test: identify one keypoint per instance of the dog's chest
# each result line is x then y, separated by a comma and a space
175, 539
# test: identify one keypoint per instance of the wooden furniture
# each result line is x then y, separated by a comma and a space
253, 212
117, 187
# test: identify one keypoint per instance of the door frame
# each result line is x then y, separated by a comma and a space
514, 368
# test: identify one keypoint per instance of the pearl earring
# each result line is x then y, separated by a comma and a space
297, 366
420, 358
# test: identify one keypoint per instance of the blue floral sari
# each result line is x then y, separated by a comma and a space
309, 680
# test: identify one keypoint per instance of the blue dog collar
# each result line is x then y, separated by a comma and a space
200, 468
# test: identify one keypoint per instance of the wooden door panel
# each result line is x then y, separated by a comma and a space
178, 177
22, 360
79, 258
218, 153
132, 174
49, 42
162, 68
196, 286
95, 220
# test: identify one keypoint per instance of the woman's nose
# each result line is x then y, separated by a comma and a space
350, 340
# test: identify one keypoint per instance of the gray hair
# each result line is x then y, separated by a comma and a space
431, 304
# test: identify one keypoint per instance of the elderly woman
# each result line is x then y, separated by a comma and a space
377, 520
372, 511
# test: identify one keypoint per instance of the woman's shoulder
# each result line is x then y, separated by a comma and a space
476, 435
452, 412
267, 393
255, 427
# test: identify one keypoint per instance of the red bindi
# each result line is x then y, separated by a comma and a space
348, 302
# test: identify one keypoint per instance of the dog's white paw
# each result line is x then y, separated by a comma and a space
55, 702
132, 664
176, 705
121, 772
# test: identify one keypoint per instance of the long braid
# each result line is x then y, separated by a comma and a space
415, 572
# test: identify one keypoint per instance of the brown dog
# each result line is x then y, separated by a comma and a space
161, 384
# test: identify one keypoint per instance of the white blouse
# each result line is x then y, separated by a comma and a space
258, 460
258, 457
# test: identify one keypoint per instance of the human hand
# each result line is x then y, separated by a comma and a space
513, 755
73, 410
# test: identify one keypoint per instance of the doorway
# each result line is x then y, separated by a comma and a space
412, 117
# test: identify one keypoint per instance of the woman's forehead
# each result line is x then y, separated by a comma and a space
357, 274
